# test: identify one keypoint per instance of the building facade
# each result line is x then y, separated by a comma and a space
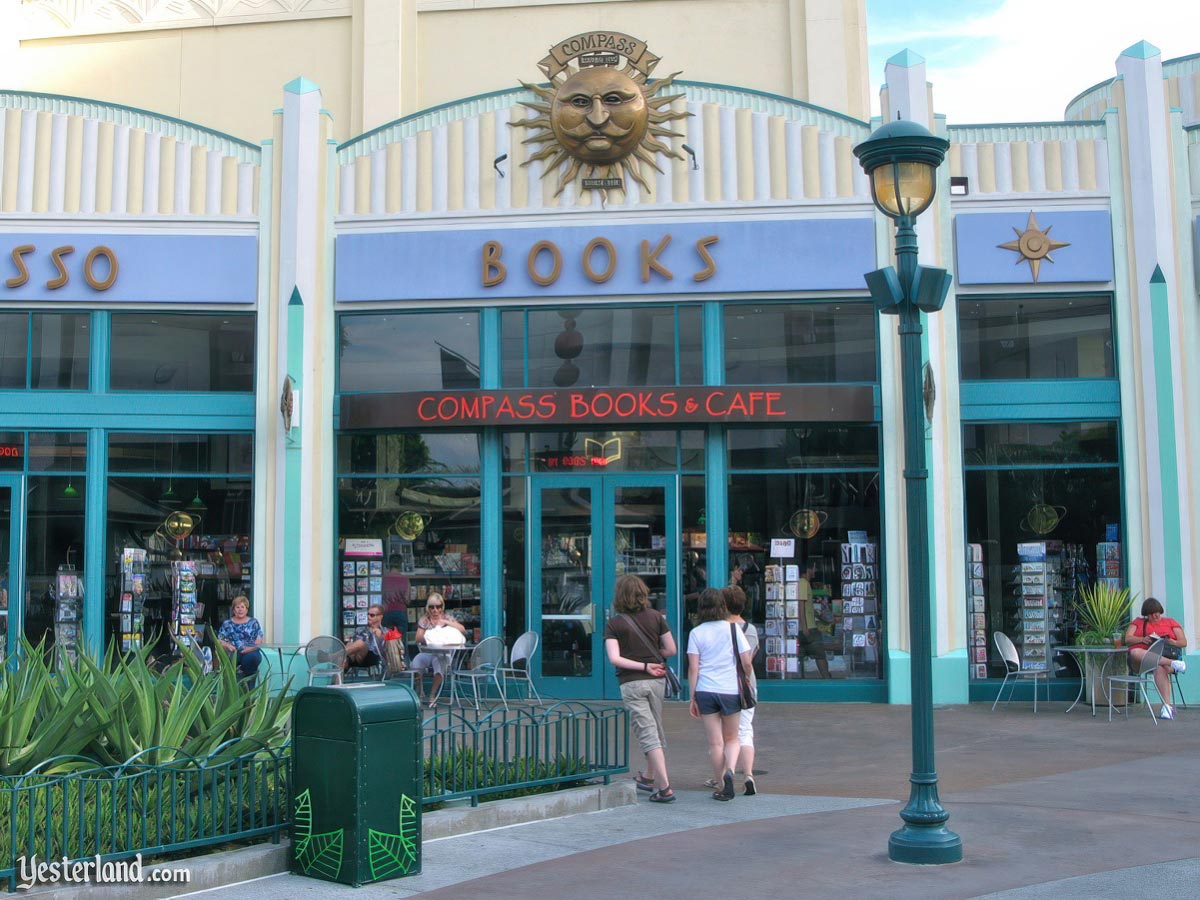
456, 353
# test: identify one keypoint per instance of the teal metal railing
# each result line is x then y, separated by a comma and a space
510, 751
71, 807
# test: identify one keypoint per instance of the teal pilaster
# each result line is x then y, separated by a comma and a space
491, 513
94, 543
292, 516
716, 512
1168, 462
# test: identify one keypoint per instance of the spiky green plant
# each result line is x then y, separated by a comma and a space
1102, 609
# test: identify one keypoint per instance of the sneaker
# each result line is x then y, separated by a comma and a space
1168, 712
1178, 666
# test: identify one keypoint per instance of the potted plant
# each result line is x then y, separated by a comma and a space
1103, 613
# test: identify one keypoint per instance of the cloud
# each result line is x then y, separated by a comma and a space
1026, 59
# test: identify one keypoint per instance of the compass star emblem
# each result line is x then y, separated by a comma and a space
1033, 244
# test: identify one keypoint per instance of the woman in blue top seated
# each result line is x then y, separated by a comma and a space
241, 634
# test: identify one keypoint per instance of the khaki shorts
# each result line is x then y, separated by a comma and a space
644, 699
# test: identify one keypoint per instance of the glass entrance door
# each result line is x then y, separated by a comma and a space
585, 533
10, 563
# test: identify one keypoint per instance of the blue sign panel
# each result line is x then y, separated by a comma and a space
1087, 256
606, 260
95, 268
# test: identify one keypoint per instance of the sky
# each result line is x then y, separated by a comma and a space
1021, 60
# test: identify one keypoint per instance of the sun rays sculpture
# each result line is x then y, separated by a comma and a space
597, 119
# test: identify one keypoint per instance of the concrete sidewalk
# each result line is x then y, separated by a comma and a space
1050, 805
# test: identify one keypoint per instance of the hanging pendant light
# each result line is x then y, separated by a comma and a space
69, 492
197, 504
169, 498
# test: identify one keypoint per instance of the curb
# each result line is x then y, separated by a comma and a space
229, 867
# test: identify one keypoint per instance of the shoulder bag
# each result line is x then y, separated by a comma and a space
746, 698
671, 688
1169, 651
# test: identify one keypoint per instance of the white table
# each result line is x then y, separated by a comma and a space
1081, 652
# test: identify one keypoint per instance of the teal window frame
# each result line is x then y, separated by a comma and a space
99, 411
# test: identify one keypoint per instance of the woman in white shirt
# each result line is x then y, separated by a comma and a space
715, 649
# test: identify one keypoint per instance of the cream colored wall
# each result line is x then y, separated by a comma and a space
228, 78
373, 67
736, 42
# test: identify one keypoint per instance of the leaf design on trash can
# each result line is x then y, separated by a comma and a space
302, 821
319, 853
323, 854
391, 854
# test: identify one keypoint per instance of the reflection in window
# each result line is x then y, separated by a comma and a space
181, 453
171, 352
55, 345
429, 532
601, 347
408, 352
205, 520
1029, 443
809, 447
800, 343
60, 354
1057, 337
54, 511
1035, 534
403, 453
834, 519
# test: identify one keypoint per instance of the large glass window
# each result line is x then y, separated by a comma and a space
1042, 337
44, 351
180, 509
408, 351
819, 613
54, 530
408, 527
602, 346
182, 352
800, 343
1043, 509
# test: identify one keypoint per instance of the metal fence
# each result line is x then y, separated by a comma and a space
510, 751
71, 807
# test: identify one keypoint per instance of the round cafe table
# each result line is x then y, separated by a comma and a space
1106, 653
454, 656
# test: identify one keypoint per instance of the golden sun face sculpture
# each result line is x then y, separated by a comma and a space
601, 121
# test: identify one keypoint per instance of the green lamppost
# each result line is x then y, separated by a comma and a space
901, 159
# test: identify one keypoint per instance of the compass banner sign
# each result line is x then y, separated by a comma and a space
608, 406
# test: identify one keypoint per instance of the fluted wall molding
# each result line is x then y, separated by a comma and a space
65, 155
749, 146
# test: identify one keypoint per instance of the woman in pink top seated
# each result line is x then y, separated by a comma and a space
1144, 631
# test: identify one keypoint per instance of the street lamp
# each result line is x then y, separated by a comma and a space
901, 159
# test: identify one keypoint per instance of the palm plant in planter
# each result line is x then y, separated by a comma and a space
1103, 612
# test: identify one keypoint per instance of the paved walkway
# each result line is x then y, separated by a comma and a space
1048, 806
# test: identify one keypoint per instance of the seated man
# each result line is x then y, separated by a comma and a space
366, 648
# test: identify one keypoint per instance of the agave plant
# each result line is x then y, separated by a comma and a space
42, 716
121, 707
1103, 609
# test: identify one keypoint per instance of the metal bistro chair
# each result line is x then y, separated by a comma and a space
520, 664
326, 656
1015, 669
1144, 675
483, 665
1175, 687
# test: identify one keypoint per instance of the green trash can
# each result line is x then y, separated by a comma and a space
356, 783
